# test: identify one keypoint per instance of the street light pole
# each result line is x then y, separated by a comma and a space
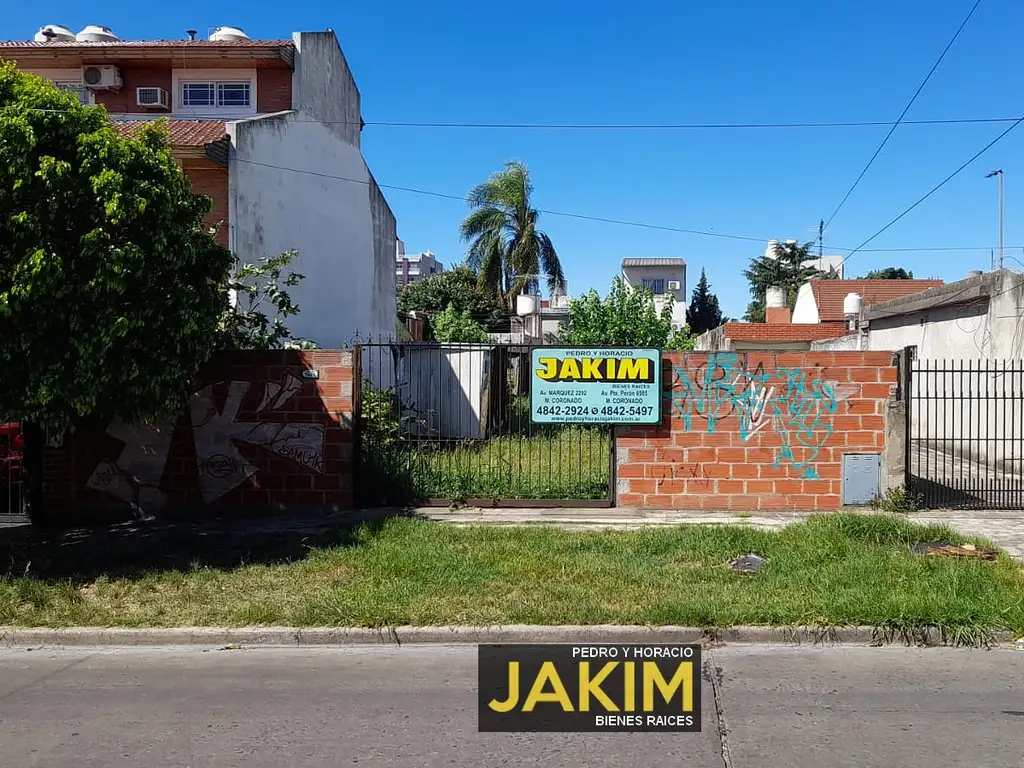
999, 173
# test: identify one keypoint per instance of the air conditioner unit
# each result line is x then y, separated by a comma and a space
152, 97
101, 77
673, 285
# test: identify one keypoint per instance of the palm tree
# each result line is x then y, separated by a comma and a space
506, 248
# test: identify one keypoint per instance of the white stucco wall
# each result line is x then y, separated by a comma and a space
985, 328
805, 310
634, 277
850, 343
296, 184
966, 402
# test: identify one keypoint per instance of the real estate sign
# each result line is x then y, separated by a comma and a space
587, 688
595, 386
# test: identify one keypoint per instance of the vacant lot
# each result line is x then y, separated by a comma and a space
831, 570
570, 463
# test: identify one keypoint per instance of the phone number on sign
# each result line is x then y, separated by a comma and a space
582, 410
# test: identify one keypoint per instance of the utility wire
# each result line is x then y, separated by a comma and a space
621, 222
903, 113
935, 189
599, 126
683, 126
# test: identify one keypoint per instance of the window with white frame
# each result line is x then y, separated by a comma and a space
217, 95
655, 285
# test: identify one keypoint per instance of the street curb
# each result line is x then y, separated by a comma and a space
16, 637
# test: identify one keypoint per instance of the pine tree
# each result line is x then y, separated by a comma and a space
786, 271
704, 312
889, 273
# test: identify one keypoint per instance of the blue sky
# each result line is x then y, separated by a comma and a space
668, 62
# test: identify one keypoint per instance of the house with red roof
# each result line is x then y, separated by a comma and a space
270, 129
821, 301
818, 315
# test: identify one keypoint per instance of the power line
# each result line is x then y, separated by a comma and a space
684, 126
608, 126
621, 222
936, 188
461, 198
904, 112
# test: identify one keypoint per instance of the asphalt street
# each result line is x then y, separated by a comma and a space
415, 706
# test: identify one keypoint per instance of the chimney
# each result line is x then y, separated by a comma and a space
191, 34
775, 310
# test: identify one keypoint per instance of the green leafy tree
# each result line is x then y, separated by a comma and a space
451, 326
786, 271
625, 317
704, 312
680, 340
889, 273
261, 304
506, 248
459, 288
112, 289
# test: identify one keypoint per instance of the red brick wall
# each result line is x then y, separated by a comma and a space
756, 431
273, 90
257, 435
210, 179
123, 101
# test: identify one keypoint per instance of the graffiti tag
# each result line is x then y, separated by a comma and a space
796, 404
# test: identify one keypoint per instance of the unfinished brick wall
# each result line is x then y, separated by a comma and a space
273, 90
259, 434
756, 431
211, 180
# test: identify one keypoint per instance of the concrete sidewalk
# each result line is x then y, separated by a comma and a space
1005, 529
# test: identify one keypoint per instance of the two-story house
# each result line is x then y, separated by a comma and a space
270, 129
665, 278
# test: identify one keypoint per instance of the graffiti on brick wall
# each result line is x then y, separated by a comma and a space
135, 475
798, 405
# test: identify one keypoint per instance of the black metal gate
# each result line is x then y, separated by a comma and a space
450, 423
965, 432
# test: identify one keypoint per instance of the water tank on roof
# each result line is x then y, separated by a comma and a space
770, 250
57, 32
527, 304
775, 298
96, 33
975, 273
852, 304
227, 34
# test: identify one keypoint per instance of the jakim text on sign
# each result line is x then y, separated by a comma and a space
595, 386
588, 688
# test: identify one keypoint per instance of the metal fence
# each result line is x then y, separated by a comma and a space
965, 433
443, 423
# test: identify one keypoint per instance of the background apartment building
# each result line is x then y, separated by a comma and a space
413, 267
270, 129
665, 278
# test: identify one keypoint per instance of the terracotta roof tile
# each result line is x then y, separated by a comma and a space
783, 331
182, 133
169, 44
829, 294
